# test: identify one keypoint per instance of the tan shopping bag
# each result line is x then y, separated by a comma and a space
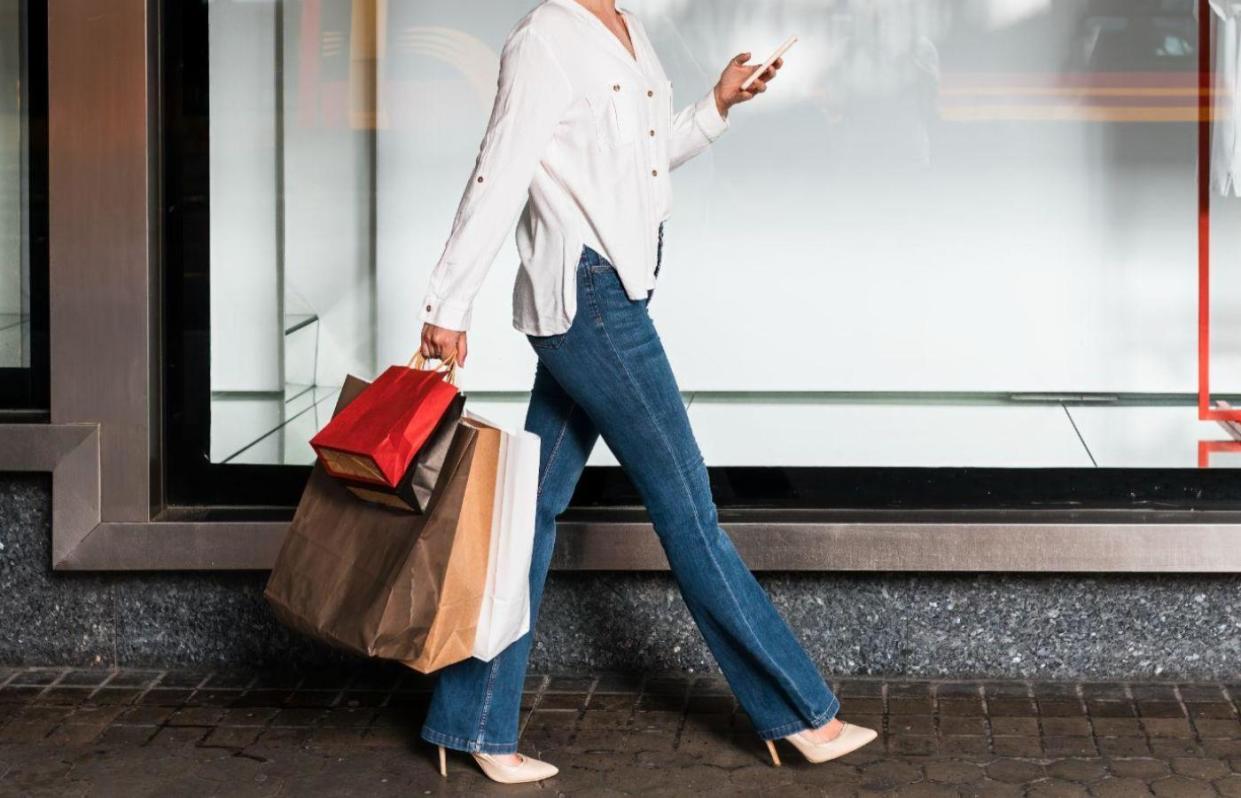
450, 637
384, 582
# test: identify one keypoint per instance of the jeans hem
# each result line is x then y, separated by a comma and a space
463, 744
817, 720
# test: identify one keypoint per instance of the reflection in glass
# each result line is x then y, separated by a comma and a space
955, 232
14, 190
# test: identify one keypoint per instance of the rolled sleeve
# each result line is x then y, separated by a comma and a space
707, 117
694, 128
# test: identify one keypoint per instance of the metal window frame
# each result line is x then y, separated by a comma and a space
103, 442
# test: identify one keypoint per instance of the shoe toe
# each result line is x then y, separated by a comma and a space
860, 735
529, 769
542, 770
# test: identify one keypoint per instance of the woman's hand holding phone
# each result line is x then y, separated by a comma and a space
729, 91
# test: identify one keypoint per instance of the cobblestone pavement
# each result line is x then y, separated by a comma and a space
127, 733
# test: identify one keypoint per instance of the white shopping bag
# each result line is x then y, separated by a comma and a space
505, 614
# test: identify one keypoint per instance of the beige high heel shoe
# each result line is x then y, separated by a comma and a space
849, 739
529, 769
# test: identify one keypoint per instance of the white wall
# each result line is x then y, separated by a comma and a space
12, 159
839, 237
329, 186
245, 281
314, 254
919, 203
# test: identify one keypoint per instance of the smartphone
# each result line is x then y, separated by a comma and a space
789, 42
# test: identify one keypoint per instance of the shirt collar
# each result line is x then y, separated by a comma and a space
580, 7
597, 24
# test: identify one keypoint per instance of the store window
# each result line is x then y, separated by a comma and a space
23, 205
950, 259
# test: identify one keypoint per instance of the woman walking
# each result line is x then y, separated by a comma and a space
581, 140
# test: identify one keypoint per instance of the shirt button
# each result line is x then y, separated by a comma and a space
615, 87
654, 173
428, 307
650, 93
480, 178
652, 132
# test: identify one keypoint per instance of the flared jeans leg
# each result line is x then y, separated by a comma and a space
613, 363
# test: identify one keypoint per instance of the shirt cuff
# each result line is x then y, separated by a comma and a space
445, 313
707, 117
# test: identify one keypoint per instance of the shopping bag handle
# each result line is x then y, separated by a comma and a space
447, 366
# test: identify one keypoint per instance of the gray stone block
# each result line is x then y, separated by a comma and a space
47, 618
915, 625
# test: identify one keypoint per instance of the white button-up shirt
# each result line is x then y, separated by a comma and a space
581, 140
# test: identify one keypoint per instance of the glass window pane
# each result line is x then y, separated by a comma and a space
14, 198
23, 205
954, 233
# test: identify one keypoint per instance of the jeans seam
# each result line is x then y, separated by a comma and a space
697, 520
551, 457
595, 313
486, 708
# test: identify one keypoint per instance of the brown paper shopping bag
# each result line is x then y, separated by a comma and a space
450, 634
387, 583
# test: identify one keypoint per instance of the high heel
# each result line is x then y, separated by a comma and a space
529, 769
849, 739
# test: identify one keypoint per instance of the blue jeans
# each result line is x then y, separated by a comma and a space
608, 375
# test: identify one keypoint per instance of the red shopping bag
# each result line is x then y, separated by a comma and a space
376, 436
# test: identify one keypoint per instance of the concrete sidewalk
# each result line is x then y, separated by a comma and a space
70, 732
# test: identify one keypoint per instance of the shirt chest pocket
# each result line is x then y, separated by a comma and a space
614, 115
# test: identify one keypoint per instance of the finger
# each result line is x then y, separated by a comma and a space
741, 58
758, 86
779, 62
461, 351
